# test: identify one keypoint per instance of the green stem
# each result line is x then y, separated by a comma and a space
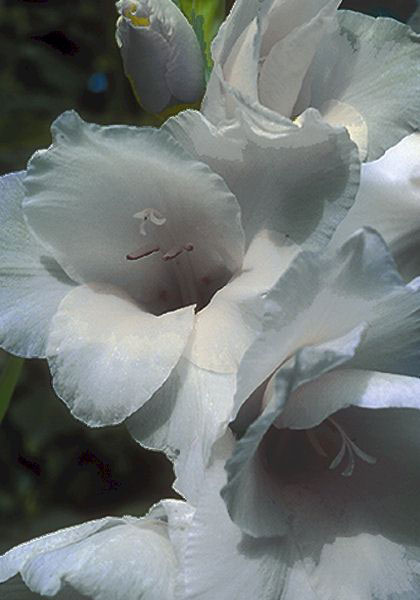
8, 381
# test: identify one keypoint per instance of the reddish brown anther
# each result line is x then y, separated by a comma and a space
142, 254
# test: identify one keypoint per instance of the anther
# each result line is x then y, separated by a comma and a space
174, 252
142, 254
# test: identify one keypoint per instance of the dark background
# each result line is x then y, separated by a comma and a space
54, 471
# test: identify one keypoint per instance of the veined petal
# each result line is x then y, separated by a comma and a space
349, 68
184, 418
108, 356
83, 192
322, 298
109, 559
160, 52
32, 282
275, 172
389, 200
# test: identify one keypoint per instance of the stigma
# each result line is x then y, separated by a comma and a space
149, 214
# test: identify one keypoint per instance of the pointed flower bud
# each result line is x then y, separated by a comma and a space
161, 54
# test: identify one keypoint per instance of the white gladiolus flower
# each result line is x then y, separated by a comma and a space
160, 52
137, 272
108, 559
324, 485
287, 55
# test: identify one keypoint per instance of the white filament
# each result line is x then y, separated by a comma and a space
349, 447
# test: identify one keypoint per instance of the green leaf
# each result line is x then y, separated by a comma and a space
8, 381
205, 17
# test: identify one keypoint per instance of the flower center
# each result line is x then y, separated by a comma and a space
305, 454
348, 449
161, 240
153, 216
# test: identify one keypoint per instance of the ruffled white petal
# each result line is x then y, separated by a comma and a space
15, 589
274, 169
321, 298
280, 18
349, 68
160, 52
235, 42
32, 283
313, 402
108, 356
83, 192
239, 18
110, 559
13, 561
184, 419
389, 200
284, 67
250, 53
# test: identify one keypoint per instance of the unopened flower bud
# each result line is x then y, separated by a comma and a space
161, 54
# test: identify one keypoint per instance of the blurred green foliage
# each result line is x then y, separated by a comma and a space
205, 17
53, 467
56, 56
9, 379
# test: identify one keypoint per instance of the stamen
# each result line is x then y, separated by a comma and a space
142, 253
315, 443
166, 243
174, 252
351, 448
149, 214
